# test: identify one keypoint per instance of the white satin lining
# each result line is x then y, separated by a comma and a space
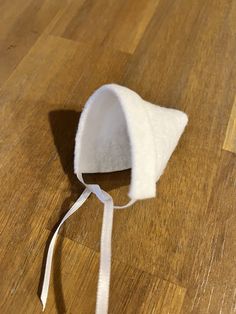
105, 250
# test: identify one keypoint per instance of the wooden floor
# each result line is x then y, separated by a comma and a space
172, 254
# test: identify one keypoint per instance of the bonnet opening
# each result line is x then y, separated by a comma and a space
102, 142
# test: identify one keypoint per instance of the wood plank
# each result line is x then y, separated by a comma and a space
213, 270
121, 24
230, 137
22, 22
170, 254
74, 281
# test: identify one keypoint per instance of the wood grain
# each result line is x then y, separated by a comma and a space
75, 270
172, 254
22, 22
230, 138
121, 24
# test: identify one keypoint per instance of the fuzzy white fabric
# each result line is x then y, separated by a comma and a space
119, 130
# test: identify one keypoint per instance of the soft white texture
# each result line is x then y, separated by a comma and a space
119, 130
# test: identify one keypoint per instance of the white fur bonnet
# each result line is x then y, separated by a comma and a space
119, 130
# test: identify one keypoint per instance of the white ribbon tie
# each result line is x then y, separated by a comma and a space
105, 250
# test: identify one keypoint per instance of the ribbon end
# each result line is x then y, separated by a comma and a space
43, 302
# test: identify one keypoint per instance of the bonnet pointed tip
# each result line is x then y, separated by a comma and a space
184, 118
